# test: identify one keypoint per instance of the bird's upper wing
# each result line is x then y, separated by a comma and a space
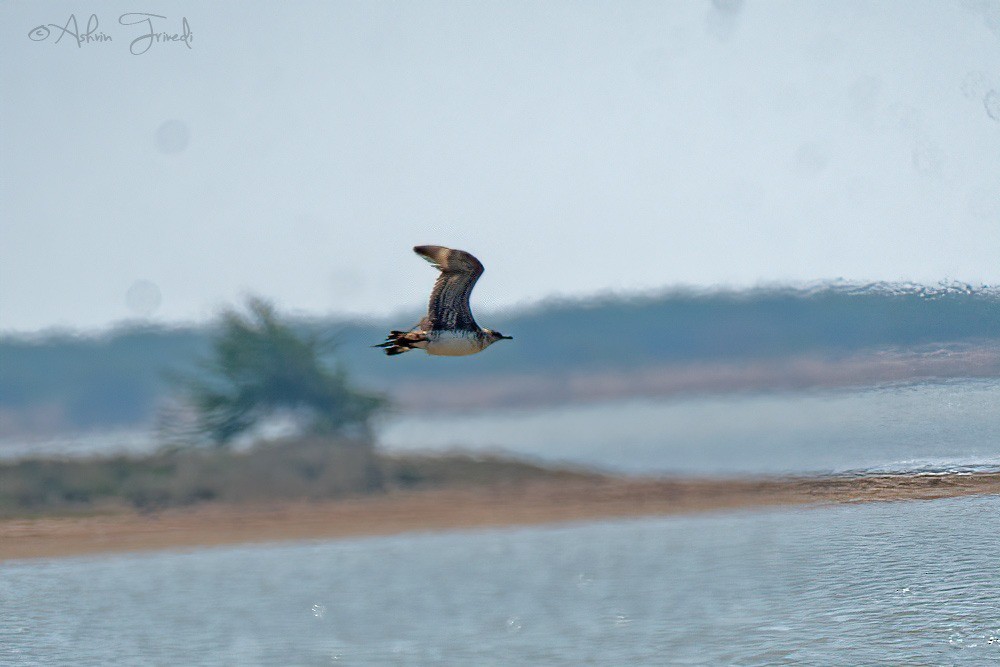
449, 306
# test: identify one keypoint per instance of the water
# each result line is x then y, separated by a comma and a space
923, 427
78, 445
926, 427
894, 583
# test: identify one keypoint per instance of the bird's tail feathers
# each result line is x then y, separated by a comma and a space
398, 342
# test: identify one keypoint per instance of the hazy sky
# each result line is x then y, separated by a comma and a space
300, 149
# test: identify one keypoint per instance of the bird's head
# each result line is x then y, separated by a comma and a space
494, 336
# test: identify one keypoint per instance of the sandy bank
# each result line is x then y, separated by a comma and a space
456, 508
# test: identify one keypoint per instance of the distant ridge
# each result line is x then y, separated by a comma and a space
809, 289
119, 378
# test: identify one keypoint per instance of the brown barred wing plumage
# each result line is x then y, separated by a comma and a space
449, 305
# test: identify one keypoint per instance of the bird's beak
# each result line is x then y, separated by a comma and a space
506, 338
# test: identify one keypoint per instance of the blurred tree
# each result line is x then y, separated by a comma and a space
261, 367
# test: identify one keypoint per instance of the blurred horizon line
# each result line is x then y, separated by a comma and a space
793, 288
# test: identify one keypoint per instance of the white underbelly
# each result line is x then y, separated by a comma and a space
452, 345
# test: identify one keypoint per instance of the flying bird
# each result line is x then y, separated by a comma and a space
448, 329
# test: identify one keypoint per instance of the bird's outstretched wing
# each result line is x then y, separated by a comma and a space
449, 306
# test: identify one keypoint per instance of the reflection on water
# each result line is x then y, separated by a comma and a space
892, 583
901, 428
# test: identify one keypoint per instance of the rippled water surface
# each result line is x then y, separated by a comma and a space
898, 583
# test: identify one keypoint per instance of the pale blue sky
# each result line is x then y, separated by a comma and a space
299, 149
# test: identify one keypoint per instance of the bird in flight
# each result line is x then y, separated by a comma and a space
448, 329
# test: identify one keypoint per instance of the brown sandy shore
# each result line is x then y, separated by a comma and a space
457, 508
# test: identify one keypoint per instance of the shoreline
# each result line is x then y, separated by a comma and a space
556, 387
858, 370
458, 508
